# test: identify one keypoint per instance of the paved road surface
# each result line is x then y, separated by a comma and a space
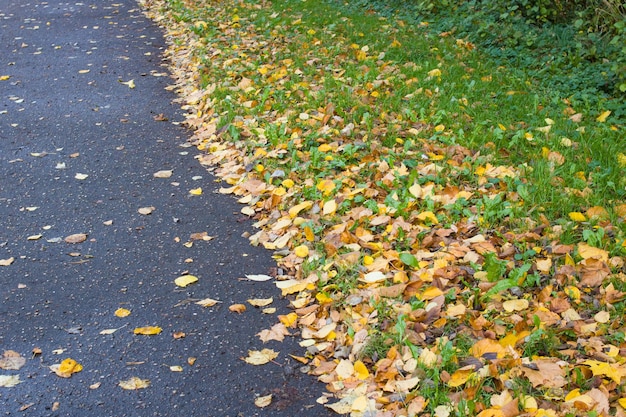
78, 150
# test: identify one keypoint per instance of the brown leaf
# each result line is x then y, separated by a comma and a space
76, 238
11, 360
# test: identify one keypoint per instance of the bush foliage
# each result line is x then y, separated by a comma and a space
575, 47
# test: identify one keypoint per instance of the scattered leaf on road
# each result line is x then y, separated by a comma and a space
7, 262
207, 302
134, 383
262, 402
146, 210
122, 312
8, 381
185, 280
75, 238
260, 357
237, 308
148, 330
11, 360
66, 368
163, 174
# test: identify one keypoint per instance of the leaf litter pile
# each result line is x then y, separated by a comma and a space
414, 290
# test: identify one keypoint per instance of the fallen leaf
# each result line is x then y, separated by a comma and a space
185, 280
207, 302
276, 332
7, 262
8, 381
34, 237
301, 251
163, 174
66, 368
146, 210
515, 305
260, 357
196, 191
176, 368
134, 383
122, 312
179, 335
261, 302
130, 84
262, 402
80, 176
602, 117
109, 331
258, 277
11, 360
237, 308
148, 330
95, 386
75, 238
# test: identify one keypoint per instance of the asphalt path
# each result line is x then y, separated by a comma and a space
78, 150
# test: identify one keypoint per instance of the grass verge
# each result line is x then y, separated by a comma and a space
453, 240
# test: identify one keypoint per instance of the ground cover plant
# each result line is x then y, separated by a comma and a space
451, 240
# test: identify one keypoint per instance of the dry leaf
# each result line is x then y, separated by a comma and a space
8, 381
134, 383
75, 238
66, 368
207, 302
122, 312
185, 280
237, 308
11, 360
146, 210
260, 357
262, 402
7, 262
261, 302
258, 277
148, 330
163, 174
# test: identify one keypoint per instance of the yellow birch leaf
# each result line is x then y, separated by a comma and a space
604, 369
289, 320
122, 312
434, 73
301, 251
148, 330
185, 280
308, 234
459, 377
196, 191
361, 370
577, 216
428, 216
326, 186
515, 305
602, 117
323, 298
622, 402
293, 212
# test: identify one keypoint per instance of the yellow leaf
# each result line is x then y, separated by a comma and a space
323, 298
361, 370
308, 233
395, 44
587, 251
440, 128
289, 320
122, 312
428, 216
460, 377
148, 330
288, 183
326, 186
134, 383
605, 369
577, 216
185, 280
434, 73
293, 212
515, 305
301, 251
4, 77
622, 402
602, 117
430, 293
196, 191
324, 147
66, 368
256, 357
